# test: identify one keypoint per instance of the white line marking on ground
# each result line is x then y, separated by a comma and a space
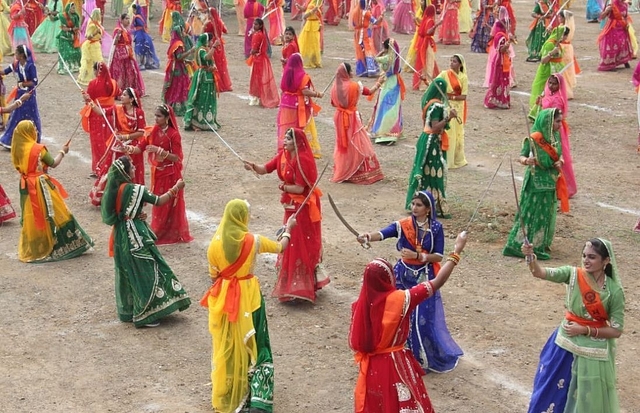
72, 153
154, 72
498, 378
615, 208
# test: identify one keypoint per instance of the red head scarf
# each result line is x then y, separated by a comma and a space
302, 157
340, 91
366, 313
292, 74
101, 86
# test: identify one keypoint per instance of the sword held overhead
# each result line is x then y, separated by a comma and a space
466, 229
528, 258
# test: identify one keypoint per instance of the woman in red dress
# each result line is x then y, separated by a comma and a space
215, 27
101, 91
164, 148
262, 84
129, 123
122, 62
354, 159
390, 377
298, 276
290, 44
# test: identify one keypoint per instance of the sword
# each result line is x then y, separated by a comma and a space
466, 229
329, 84
556, 14
528, 258
226, 144
311, 191
565, 68
526, 121
66, 67
366, 244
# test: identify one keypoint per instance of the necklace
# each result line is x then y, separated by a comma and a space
419, 240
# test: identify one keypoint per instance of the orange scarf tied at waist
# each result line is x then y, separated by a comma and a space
361, 384
314, 208
562, 191
344, 139
232, 300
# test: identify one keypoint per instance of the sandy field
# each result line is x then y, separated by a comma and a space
62, 348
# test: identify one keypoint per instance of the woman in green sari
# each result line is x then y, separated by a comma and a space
69, 40
577, 369
429, 170
146, 288
202, 103
551, 63
543, 185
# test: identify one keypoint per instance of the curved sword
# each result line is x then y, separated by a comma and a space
365, 245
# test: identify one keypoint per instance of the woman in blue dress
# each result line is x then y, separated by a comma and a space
27, 76
421, 245
142, 43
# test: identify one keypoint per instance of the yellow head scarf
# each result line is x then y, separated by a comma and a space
25, 136
232, 229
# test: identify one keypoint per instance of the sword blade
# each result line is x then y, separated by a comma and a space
315, 184
341, 218
529, 259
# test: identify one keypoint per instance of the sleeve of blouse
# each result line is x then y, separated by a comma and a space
390, 231
465, 86
176, 144
560, 275
150, 198
47, 158
417, 294
32, 74
616, 309
526, 147
366, 91
8, 69
272, 164
141, 123
438, 240
268, 245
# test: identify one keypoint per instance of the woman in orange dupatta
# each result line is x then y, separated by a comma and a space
426, 64
297, 110
389, 377
457, 89
354, 159
122, 62
242, 374
129, 124
262, 85
49, 230
101, 91
298, 274
216, 27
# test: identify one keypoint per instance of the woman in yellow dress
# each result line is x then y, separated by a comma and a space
457, 89
5, 40
91, 48
310, 39
49, 230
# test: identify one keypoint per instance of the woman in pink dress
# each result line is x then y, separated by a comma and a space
122, 62
499, 64
404, 17
555, 96
262, 85
449, 30
354, 159
614, 40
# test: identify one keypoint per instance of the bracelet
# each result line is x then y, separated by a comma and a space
19, 102
597, 332
281, 187
173, 192
453, 257
588, 331
62, 153
423, 257
286, 235
417, 255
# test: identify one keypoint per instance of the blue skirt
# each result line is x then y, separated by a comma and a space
429, 338
551, 384
28, 111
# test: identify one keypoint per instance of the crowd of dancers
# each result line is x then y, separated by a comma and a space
398, 321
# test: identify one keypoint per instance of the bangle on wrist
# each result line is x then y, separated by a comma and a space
597, 332
62, 153
286, 235
453, 257
588, 331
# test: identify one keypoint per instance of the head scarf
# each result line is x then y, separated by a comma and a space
502, 23
177, 21
134, 98
101, 86
73, 17
172, 116
292, 74
433, 92
23, 48
393, 44
431, 203
215, 25
430, 11
463, 65
302, 157
25, 135
117, 176
544, 125
203, 40
615, 276
230, 233
562, 91
94, 21
556, 35
366, 313
340, 91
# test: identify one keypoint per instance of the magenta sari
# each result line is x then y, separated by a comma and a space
614, 41
498, 96
559, 100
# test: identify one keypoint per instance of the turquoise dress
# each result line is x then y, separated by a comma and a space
45, 37
386, 122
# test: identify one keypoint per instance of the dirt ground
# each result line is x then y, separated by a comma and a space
62, 348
